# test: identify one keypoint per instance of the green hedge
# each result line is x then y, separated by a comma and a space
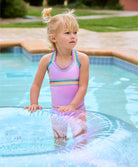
91, 4
13, 8
34, 2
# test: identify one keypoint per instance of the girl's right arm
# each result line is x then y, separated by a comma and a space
36, 86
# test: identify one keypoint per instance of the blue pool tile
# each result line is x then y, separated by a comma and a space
32, 57
97, 60
103, 60
100, 60
125, 65
17, 49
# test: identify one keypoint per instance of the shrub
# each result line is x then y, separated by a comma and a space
35, 2
102, 4
77, 5
13, 8
55, 2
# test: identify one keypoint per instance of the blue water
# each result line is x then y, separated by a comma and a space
111, 90
27, 140
111, 119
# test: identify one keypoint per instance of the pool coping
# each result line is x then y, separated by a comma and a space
39, 47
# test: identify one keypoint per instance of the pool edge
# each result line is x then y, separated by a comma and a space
40, 47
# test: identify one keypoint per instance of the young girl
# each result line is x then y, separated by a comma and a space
67, 68
68, 72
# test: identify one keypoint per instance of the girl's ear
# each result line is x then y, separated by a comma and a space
52, 38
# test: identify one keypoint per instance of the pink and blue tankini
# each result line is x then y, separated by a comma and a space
64, 82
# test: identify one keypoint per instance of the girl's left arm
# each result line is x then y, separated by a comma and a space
83, 84
83, 80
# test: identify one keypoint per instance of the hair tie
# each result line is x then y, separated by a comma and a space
46, 14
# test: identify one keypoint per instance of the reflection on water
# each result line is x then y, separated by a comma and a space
114, 92
60, 121
111, 90
52, 138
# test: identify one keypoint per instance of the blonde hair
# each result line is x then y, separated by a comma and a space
55, 23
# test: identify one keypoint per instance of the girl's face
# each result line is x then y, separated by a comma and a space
66, 38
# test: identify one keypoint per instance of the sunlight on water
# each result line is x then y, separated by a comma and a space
111, 90
92, 139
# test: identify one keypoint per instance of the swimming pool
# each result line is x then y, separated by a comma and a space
111, 90
27, 139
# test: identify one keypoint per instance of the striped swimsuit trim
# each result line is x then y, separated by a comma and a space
74, 52
64, 82
75, 57
81, 107
51, 61
63, 68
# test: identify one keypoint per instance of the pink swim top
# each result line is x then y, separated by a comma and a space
64, 81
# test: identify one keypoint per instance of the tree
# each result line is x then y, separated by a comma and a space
100, 3
55, 2
45, 3
12, 9
35, 2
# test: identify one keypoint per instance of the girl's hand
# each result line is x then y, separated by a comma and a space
66, 108
33, 107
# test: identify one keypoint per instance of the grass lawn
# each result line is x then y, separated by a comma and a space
24, 25
37, 12
111, 24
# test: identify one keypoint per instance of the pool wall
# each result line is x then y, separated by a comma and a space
35, 49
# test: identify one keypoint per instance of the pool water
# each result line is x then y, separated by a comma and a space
111, 90
27, 140
103, 136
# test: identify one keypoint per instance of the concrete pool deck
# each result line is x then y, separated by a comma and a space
123, 45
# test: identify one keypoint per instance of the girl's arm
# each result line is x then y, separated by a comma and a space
83, 80
83, 84
36, 86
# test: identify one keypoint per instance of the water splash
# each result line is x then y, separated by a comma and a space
101, 141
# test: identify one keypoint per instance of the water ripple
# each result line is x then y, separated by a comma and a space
84, 139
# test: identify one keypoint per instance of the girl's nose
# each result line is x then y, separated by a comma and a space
72, 35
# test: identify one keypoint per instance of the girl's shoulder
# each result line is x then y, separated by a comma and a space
82, 57
46, 59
